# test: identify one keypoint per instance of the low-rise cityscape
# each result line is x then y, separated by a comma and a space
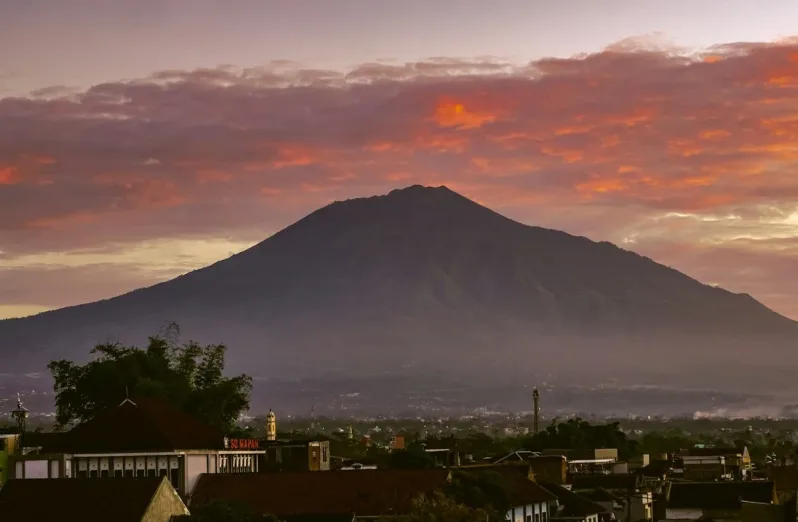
144, 459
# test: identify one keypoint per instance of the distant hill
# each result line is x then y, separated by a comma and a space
423, 277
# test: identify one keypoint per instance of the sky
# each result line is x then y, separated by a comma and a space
143, 139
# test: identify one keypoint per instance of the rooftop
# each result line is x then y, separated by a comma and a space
97, 500
370, 492
141, 425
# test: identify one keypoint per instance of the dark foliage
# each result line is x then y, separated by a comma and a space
411, 458
578, 434
483, 491
188, 376
440, 508
227, 511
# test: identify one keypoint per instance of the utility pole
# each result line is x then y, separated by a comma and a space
536, 421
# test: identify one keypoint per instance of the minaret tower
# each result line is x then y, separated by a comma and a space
271, 426
20, 415
536, 421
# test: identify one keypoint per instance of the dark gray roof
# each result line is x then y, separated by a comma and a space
79, 500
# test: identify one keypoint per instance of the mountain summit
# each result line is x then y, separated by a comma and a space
419, 274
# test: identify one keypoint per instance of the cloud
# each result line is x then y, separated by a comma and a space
606, 145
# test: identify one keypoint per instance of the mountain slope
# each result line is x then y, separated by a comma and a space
419, 273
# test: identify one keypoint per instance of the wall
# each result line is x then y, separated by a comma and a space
520, 514
6, 448
165, 504
36, 469
549, 469
683, 514
195, 466
606, 453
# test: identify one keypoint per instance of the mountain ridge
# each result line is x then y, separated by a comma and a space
361, 272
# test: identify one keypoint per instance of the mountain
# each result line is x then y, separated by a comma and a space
423, 278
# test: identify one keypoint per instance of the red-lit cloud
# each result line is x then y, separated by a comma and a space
647, 148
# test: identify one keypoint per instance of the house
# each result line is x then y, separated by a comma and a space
529, 501
296, 455
762, 512
622, 483
637, 506
573, 507
363, 494
716, 500
148, 499
547, 468
785, 480
716, 463
137, 439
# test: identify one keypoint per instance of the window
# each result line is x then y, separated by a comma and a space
93, 473
529, 518
104, 473
174, 477
118, 473
163, 472
83, 473
140, 472
128, 473
537, 517
151, 473
324, 454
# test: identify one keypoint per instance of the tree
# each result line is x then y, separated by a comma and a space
484, 490
227, 511
187, 376
412, 458
440, 508
580, 435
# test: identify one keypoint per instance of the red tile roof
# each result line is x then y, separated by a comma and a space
144, 425
364, 492
65, 500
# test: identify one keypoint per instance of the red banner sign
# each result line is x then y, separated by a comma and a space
244, 444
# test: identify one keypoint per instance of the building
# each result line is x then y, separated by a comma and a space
149, 499
8, 444
145, 438
715, 500
545, 468
529, 501
271, 426
365, 494
573, 507
761, 512
618, 484
716, 463
637, 506
296, 455
785, 479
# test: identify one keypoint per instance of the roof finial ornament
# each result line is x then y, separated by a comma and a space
127, 398
20, 415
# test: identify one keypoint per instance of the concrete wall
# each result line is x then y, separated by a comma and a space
195, 466
165, 504
520, 513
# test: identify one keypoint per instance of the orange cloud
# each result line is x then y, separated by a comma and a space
455, 114
8, 175
598, 144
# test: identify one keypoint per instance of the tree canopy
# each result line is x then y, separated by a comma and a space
188, 376
580, 434
227, 511
485, 491
440, 508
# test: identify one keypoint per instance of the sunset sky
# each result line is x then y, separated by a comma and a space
142, 139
